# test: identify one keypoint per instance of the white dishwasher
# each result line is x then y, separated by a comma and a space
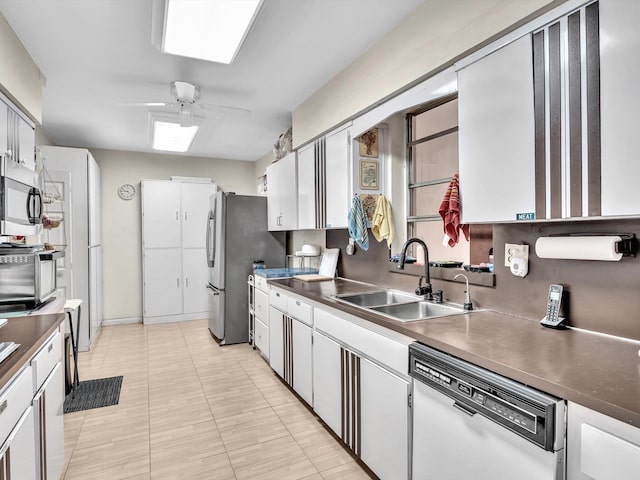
470, 423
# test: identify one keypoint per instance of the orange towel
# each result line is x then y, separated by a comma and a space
450, 213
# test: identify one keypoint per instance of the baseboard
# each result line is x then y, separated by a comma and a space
175, 318
121, 321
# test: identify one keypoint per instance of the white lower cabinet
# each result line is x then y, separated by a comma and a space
276, 341
194, 280
327, 383
261, 336
18, 453
600, 447
48, 405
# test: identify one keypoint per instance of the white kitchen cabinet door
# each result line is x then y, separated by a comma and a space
161, 214
195, 278
27, 140
307, 188
327, 401
261, 337
95, 201
619, 106
261, 306
19, 455
282, 196
600, 447
301, 349
384, 420
3, 127
276, 340
194, 212
338, 179
49, 410
162, 281
496, 135
95, 306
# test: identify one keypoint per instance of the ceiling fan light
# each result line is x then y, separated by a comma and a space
172, 137
209, 30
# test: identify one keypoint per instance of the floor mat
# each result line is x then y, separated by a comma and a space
101, 392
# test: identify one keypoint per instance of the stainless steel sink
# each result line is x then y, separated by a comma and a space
418, 310
376, 298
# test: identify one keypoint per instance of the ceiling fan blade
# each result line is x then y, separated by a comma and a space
235, 111
143, 104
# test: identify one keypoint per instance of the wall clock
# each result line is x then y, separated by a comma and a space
126, 191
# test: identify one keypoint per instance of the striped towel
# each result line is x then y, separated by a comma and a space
450, 212
358, 224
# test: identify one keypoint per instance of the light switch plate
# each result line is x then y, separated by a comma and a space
515, 250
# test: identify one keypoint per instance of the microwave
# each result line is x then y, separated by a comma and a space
27, 275
20, 199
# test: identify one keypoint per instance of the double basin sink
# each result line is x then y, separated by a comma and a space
399, 306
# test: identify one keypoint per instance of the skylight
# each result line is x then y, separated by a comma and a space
210, 30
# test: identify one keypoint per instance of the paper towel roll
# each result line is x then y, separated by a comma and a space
579, 248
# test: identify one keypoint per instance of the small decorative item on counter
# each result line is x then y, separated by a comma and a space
258, 265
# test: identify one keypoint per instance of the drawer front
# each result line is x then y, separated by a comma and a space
300, 310
14, 400
46, 359
261, 336
262, 306
278, 300
261, 283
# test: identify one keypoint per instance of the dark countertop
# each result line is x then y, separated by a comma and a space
597, 371
30, 332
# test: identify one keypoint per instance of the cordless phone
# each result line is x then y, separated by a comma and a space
552, 318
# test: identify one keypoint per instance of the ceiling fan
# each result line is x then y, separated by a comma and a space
186, 98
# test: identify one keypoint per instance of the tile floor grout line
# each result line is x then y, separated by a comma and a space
148, 401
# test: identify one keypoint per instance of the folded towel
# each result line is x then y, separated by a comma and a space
450, 212
382, 221
358, 224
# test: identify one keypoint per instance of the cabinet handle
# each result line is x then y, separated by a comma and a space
185, 215
177, 215
297, 303
277, 294
186, 281
50, 348
3, 406
178, 282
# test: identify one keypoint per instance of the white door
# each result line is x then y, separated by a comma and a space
302, 361
95, 201
274, 185
160, 214
162, 281
20, 456
95, 291
307, 188
58, 206
327, 401
195, 210
338, 161
195, 277
384, 419
276, 341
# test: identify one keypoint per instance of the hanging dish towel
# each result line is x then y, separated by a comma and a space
358, 224
450, 213
382, 221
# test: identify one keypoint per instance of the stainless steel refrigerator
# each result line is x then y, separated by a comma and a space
237, 236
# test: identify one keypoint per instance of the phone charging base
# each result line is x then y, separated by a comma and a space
557, 325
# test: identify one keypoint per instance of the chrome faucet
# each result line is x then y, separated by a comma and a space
422, 289
467, 294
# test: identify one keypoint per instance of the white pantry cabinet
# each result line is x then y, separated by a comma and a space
194, 280
600, 447
282, 206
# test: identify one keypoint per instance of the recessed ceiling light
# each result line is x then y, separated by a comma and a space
207, 29
171, 136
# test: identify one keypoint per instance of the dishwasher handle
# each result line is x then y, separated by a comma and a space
464, 408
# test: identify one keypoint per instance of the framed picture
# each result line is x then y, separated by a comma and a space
369, 178
369, 143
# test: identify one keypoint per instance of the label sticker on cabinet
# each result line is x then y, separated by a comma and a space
526, 216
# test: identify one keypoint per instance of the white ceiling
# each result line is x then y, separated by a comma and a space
98, 53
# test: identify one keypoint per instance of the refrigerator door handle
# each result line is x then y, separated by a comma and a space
214, 290
214, 239
210, 256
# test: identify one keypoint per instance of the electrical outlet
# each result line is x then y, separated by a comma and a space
515, 250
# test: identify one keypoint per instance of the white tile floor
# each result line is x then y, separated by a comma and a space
191, 410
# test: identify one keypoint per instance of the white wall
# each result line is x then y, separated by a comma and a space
432, 36
20, 78
121, 220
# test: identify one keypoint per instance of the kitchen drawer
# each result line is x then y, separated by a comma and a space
261, 283
46, 359
262, 306
278, 300
261, 337
14, 400
300, 310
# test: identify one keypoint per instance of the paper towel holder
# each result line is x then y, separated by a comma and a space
627, 246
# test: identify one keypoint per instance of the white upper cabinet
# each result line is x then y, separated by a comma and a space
160, 214
337, 178
620, 103
282, 201
27, 142
194, 213
307, 188
3, 129
496, 135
